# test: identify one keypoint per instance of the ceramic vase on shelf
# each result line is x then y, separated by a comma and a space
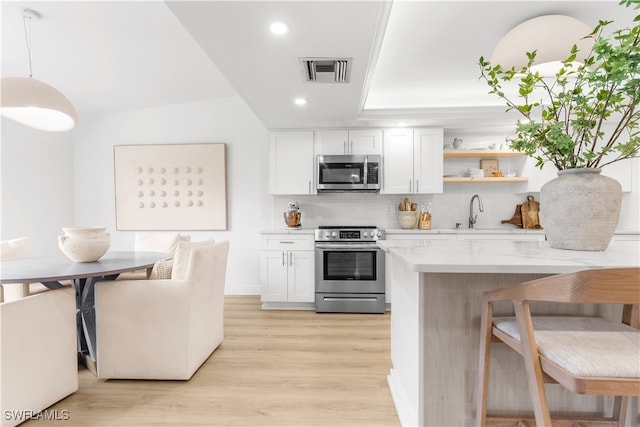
84, 244
580, 209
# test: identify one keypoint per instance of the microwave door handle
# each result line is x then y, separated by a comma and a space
366, 172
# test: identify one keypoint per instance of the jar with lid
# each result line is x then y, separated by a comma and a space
424, 219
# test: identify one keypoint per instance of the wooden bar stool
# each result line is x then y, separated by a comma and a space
586, 355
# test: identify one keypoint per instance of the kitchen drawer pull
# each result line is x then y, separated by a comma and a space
349, 299
287, 242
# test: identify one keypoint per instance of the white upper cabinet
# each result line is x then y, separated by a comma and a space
397, 161
331, 142
427, 160
412, 161
291, 162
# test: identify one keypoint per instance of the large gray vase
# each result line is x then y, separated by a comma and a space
580, 209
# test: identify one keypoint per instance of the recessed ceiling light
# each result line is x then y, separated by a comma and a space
279, 28
300, 101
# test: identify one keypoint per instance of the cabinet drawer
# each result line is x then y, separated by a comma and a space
287, 242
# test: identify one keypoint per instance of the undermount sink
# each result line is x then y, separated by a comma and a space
492, 230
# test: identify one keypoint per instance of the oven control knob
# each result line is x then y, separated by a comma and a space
366, 234
379, 233
334, 234
327, 234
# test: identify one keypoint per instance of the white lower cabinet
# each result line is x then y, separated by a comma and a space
287, 270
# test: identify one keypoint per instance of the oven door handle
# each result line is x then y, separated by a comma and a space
347, 246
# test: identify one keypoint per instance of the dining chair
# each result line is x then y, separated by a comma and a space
165, 242
163, 329
12, 249
586, 355
38, 353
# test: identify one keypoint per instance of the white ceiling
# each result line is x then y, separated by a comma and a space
414, 61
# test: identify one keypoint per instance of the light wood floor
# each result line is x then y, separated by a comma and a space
274, 368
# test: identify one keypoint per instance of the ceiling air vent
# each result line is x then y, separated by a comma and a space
326, 70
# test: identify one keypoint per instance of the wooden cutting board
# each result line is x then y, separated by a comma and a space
530, 212
516, 219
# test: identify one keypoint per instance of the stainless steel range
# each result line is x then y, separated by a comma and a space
349, 270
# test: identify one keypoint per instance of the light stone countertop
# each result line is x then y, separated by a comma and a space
506, 256
465, 231
285, 230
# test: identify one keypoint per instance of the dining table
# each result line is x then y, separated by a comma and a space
53, 271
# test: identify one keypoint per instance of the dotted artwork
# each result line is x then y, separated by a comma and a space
171, 187
168, 187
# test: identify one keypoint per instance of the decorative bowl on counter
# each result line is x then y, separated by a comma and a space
84, 244
407, 219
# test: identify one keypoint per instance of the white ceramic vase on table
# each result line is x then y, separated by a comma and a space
84, 244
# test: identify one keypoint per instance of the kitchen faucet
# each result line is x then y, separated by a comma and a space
472, 218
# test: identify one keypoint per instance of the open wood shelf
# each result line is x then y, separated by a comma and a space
481, 153
485, 180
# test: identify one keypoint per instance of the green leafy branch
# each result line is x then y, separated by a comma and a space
564, 115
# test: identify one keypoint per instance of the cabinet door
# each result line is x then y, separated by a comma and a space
273, 275
427, 160
367, 141
301, 280
291, 162
397, 161
331, 142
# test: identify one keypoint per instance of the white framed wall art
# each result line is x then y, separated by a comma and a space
171, 187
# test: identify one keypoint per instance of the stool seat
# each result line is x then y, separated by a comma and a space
584, 354
583, 346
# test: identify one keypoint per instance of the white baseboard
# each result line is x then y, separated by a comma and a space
288, 305
406, 416
231, 289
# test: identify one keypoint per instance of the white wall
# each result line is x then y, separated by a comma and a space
215, 121
36, 185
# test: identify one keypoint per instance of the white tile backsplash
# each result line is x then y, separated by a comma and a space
380, 210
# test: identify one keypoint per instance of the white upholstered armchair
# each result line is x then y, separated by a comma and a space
163, 329
38, 353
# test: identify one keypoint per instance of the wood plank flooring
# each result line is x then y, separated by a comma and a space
274, 368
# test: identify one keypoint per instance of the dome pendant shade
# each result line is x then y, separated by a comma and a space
36, 104
552, 36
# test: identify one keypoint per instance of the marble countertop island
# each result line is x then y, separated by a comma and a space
506, 256
436, 291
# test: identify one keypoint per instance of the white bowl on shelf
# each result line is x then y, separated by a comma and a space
475, 172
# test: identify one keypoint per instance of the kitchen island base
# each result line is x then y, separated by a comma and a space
435, 327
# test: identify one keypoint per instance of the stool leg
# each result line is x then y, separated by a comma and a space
532, 364
486, 324
620, 409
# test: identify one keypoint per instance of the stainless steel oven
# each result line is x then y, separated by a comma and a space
349, 270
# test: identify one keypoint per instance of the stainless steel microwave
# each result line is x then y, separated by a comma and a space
348, 173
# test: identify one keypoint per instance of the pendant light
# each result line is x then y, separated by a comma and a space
33, 103
552, 36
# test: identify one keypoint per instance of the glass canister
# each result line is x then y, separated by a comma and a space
424, 218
